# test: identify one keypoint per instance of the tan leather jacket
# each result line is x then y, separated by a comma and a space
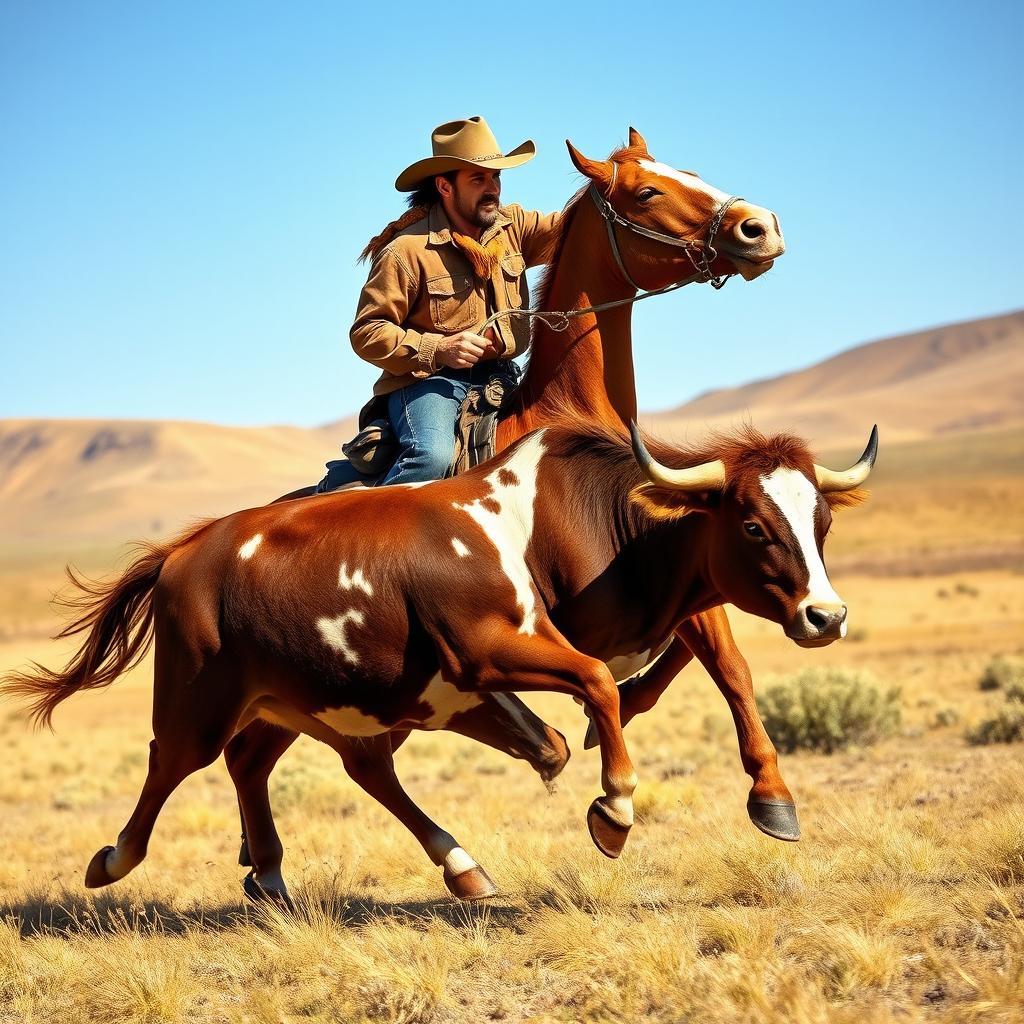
421, 287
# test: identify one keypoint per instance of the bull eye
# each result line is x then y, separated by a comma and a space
754, 530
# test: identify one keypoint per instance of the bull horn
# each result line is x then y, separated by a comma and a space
710, 476
830, 480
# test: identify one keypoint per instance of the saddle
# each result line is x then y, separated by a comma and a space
373, 450
479, 414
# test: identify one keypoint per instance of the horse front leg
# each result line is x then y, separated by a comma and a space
770, 805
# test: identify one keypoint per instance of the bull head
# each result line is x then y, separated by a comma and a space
765, 541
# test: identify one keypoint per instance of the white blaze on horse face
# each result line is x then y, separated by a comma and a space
691, 181
460, 549
445, 700
248, 549
797, 498
356, 581
335, 633
514, 489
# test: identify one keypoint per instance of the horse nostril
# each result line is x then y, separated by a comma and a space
752, 229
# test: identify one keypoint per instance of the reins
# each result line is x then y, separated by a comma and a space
558, 320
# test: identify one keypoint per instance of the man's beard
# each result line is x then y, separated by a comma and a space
481, 215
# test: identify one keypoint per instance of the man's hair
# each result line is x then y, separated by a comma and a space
426, 193
419, 202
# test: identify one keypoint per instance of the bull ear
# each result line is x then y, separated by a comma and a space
598, 171
636, 140
669, 505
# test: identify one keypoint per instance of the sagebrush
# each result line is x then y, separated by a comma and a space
828, 710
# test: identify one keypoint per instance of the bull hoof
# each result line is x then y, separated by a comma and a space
244, 856
257, 894
96, 874
472, 884
775, 818
608, 835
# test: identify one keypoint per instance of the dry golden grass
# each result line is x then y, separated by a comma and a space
903, 902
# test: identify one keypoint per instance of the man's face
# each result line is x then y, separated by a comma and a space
476, 194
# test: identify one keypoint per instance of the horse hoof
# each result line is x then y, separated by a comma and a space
96, 874
775, 818
472, 884
609, 836
244, 856
590, 740
257, 894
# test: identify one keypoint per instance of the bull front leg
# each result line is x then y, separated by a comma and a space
770, 805
515, 661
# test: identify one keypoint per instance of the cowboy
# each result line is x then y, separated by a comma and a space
437, 273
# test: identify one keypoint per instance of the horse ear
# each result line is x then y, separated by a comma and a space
636, 140
598, 171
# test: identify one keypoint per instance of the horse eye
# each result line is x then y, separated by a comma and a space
647, 193
753, 529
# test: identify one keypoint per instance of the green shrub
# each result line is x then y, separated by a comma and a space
1007, 726
1002, 674
828, 710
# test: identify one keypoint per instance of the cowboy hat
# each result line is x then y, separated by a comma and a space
468, 142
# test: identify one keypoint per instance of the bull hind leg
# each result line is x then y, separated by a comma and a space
370, 764
501, 721
191, 725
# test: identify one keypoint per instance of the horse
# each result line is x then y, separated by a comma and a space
637, 228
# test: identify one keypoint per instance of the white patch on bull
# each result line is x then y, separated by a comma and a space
689, 180
623, 666
248, 549
457, 861
460, 549
511, 527
335, 633
349, 721
445, 700
797, 498
356, 581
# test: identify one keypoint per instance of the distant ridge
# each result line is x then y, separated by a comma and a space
79, 482
958, 377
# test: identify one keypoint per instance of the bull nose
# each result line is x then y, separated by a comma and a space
824, 620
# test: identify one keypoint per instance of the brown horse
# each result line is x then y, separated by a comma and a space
349, 616
637, 225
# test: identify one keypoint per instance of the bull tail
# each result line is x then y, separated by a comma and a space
116, 616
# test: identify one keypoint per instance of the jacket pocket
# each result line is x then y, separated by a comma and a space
513, 267
454, 303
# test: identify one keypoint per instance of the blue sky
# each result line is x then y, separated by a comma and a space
184, 188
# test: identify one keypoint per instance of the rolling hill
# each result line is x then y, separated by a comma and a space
66, 483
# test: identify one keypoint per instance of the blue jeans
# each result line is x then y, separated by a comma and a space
423, 418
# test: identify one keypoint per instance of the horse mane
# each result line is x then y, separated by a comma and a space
544, 286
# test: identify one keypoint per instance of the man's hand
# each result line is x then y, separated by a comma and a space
465, 349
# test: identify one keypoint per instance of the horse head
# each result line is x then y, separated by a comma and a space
668, 225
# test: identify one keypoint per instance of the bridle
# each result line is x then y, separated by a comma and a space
701, 253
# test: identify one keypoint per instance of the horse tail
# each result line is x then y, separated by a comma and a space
116, 615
